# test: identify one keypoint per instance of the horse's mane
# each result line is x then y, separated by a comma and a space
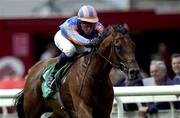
116, 27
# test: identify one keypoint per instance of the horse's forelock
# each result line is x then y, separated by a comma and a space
120, 28
112, 29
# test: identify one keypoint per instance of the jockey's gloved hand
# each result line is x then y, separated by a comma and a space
94, 42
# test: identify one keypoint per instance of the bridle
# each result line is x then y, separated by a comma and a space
122, 65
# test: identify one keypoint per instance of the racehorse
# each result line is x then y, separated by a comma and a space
87, 91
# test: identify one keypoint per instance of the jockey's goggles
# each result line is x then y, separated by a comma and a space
87, 24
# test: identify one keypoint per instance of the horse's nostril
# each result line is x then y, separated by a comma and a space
133, 73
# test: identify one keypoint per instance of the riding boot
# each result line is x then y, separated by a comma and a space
60, 62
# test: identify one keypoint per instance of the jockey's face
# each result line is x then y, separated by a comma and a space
87, 27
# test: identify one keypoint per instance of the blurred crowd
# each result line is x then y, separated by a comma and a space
164, 70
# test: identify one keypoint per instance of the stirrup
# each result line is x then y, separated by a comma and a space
51, 82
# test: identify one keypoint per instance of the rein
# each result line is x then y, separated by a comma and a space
85, 72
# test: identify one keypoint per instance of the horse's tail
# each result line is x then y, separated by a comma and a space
19, 104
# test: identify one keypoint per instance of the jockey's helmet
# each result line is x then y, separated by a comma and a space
88, 13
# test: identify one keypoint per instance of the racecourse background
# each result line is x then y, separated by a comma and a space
25, 30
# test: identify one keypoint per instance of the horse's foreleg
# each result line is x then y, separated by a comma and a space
84, 111
33, 110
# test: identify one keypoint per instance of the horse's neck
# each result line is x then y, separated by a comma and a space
95, 63
99, 65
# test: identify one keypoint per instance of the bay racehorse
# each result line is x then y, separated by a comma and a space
87, 91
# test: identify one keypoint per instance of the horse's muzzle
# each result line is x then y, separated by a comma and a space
133, 73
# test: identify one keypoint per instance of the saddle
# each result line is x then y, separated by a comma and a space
61, 73
59, 78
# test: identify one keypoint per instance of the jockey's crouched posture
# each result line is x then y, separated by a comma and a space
76, 35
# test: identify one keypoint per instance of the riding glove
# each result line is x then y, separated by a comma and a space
94, 42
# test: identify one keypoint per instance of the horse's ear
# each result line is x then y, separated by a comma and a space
103, 34
110, 28
126, 26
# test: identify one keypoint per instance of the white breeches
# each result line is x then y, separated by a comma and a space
67, 47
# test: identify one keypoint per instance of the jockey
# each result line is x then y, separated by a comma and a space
76, 35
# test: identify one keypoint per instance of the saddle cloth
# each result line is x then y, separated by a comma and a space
48, 92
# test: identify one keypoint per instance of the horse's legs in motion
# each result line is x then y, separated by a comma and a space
82, 109
86, 111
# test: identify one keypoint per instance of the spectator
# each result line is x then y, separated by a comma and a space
163, 54
115, 75
142, 74
175, 63
159, 72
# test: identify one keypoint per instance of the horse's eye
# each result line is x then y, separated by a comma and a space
118, 48
118, 42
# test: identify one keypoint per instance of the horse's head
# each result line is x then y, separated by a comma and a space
121, 50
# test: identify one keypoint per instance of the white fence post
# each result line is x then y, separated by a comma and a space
120, 108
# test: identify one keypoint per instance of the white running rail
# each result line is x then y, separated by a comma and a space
122, 95
6, 100
146, 94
